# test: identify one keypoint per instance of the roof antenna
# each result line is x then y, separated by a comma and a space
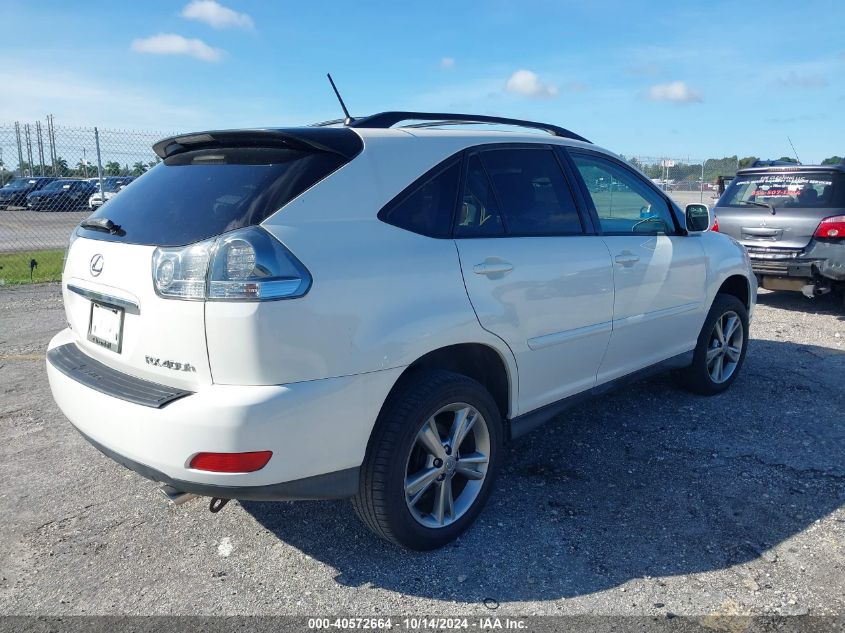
787, 138
348, 118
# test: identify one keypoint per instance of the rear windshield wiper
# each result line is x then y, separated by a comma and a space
771, 207
101, 224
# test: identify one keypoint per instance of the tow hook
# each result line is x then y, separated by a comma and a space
217, 504
814, 290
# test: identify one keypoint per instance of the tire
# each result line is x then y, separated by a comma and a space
701, 376
399, 447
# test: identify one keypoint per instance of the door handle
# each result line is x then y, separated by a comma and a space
492, 268
626, 258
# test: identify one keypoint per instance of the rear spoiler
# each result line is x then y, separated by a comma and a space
342, 141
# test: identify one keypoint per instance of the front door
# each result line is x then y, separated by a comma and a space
659, 273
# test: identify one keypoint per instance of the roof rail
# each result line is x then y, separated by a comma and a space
389, 119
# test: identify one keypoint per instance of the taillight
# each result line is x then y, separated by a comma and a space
831, 228
244, 265
231, 462
715, 226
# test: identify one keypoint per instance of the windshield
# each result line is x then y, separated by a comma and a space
57, 184
114, 184
19, 183
784, 190
196, 195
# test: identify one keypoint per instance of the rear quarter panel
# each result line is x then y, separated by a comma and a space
381, 297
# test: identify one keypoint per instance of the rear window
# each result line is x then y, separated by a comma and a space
199, 194
805, 189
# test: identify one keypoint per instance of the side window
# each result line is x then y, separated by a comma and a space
623, 202
427, 208
533, 193
478, 215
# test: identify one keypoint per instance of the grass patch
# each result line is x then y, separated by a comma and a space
15, 267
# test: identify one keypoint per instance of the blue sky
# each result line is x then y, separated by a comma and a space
650, 78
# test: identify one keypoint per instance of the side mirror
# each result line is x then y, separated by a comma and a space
698, 218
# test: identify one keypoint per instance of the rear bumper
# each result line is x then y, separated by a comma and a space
318, 432
818, 261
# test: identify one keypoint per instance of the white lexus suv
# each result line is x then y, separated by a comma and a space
371, 310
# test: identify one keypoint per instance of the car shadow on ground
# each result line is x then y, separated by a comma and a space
647, 481
831, 303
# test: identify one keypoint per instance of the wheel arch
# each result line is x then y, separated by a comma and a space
737, 286
479, 361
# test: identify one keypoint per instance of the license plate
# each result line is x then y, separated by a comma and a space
106, 328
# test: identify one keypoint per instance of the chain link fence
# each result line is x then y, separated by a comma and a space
52, 177
688, 180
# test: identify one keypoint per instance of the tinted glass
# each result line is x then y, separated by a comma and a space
623, 200
427, 208
479, 213
810, 190
196, 195
532, 192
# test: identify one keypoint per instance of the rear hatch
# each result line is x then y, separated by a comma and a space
207, 185
772, 210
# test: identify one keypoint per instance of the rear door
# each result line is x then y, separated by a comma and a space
771, 211
659, 274
536, 275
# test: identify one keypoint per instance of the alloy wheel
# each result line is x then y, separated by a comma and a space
447, 465
724, 348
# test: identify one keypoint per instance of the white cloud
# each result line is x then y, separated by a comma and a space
447, 62
172, 44
675, 91
528, 84
216, 15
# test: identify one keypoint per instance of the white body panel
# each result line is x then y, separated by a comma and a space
312, 427
660, 286
161, 329
553, 309
307, 377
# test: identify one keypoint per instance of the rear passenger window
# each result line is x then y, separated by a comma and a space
427, 208
532, 191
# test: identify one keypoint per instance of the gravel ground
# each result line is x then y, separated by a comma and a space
646, 501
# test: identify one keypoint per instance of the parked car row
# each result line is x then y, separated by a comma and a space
46, 193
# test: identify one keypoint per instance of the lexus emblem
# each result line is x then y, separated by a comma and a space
96, 266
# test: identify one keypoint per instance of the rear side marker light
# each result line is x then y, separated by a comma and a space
715, 226
231, 462
831, 228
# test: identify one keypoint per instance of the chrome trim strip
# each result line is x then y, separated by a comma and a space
657, 314
130, 306
556, 338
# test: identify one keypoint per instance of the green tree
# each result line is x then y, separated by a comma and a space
788, 159
62, 166
112, 168
747, 161
138, 169
833, 160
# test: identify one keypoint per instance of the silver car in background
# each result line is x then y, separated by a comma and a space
791, 220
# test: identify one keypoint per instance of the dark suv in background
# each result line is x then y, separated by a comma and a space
14, 193
791, 220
